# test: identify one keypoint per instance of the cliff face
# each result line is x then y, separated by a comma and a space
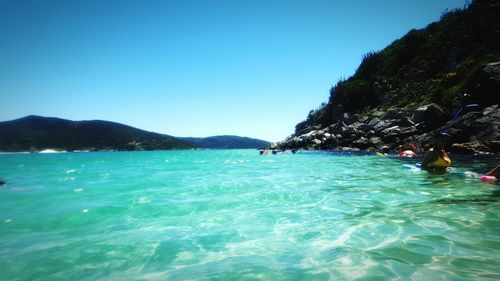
450, 63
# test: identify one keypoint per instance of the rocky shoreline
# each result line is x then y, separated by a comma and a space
473, 132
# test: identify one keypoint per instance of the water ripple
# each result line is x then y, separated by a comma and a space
231, 215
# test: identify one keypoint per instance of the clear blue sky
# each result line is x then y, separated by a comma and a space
191, 68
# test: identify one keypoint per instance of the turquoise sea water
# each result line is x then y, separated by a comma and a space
236, 215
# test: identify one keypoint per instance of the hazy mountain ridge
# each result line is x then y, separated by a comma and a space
35, 133
228, 142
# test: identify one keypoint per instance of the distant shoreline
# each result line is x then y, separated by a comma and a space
53, 151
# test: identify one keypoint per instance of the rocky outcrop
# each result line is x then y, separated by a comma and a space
474, 132
424, 65
485, 84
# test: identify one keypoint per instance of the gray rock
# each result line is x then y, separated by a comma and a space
490, 109
394, 114
420, 126
435, 116
349, 131
329, 143
351, 118
390, 129
474, 126
316, 141
418, 114
347, 148
407, 132
492, 71
362, 143
404, 122
362, 118
338, 130
376, 141
382, 125
373, 121
469, 148
391, 134
358, 126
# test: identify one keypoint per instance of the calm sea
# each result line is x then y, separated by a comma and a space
236, 215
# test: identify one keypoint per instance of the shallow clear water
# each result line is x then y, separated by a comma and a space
235, 215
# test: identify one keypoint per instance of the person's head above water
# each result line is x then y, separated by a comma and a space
442, 140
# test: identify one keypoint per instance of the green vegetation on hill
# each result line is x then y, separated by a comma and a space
439, 64
36, 133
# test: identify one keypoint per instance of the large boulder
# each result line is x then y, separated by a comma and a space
435, 116
418, 114
484, 85
432, 115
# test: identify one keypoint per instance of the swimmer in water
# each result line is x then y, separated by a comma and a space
437, 159
495, 172
407, 150
492, 176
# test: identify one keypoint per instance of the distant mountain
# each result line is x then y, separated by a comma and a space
227, 142
36, 133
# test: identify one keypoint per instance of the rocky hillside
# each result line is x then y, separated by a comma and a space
476, 131
433, 72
